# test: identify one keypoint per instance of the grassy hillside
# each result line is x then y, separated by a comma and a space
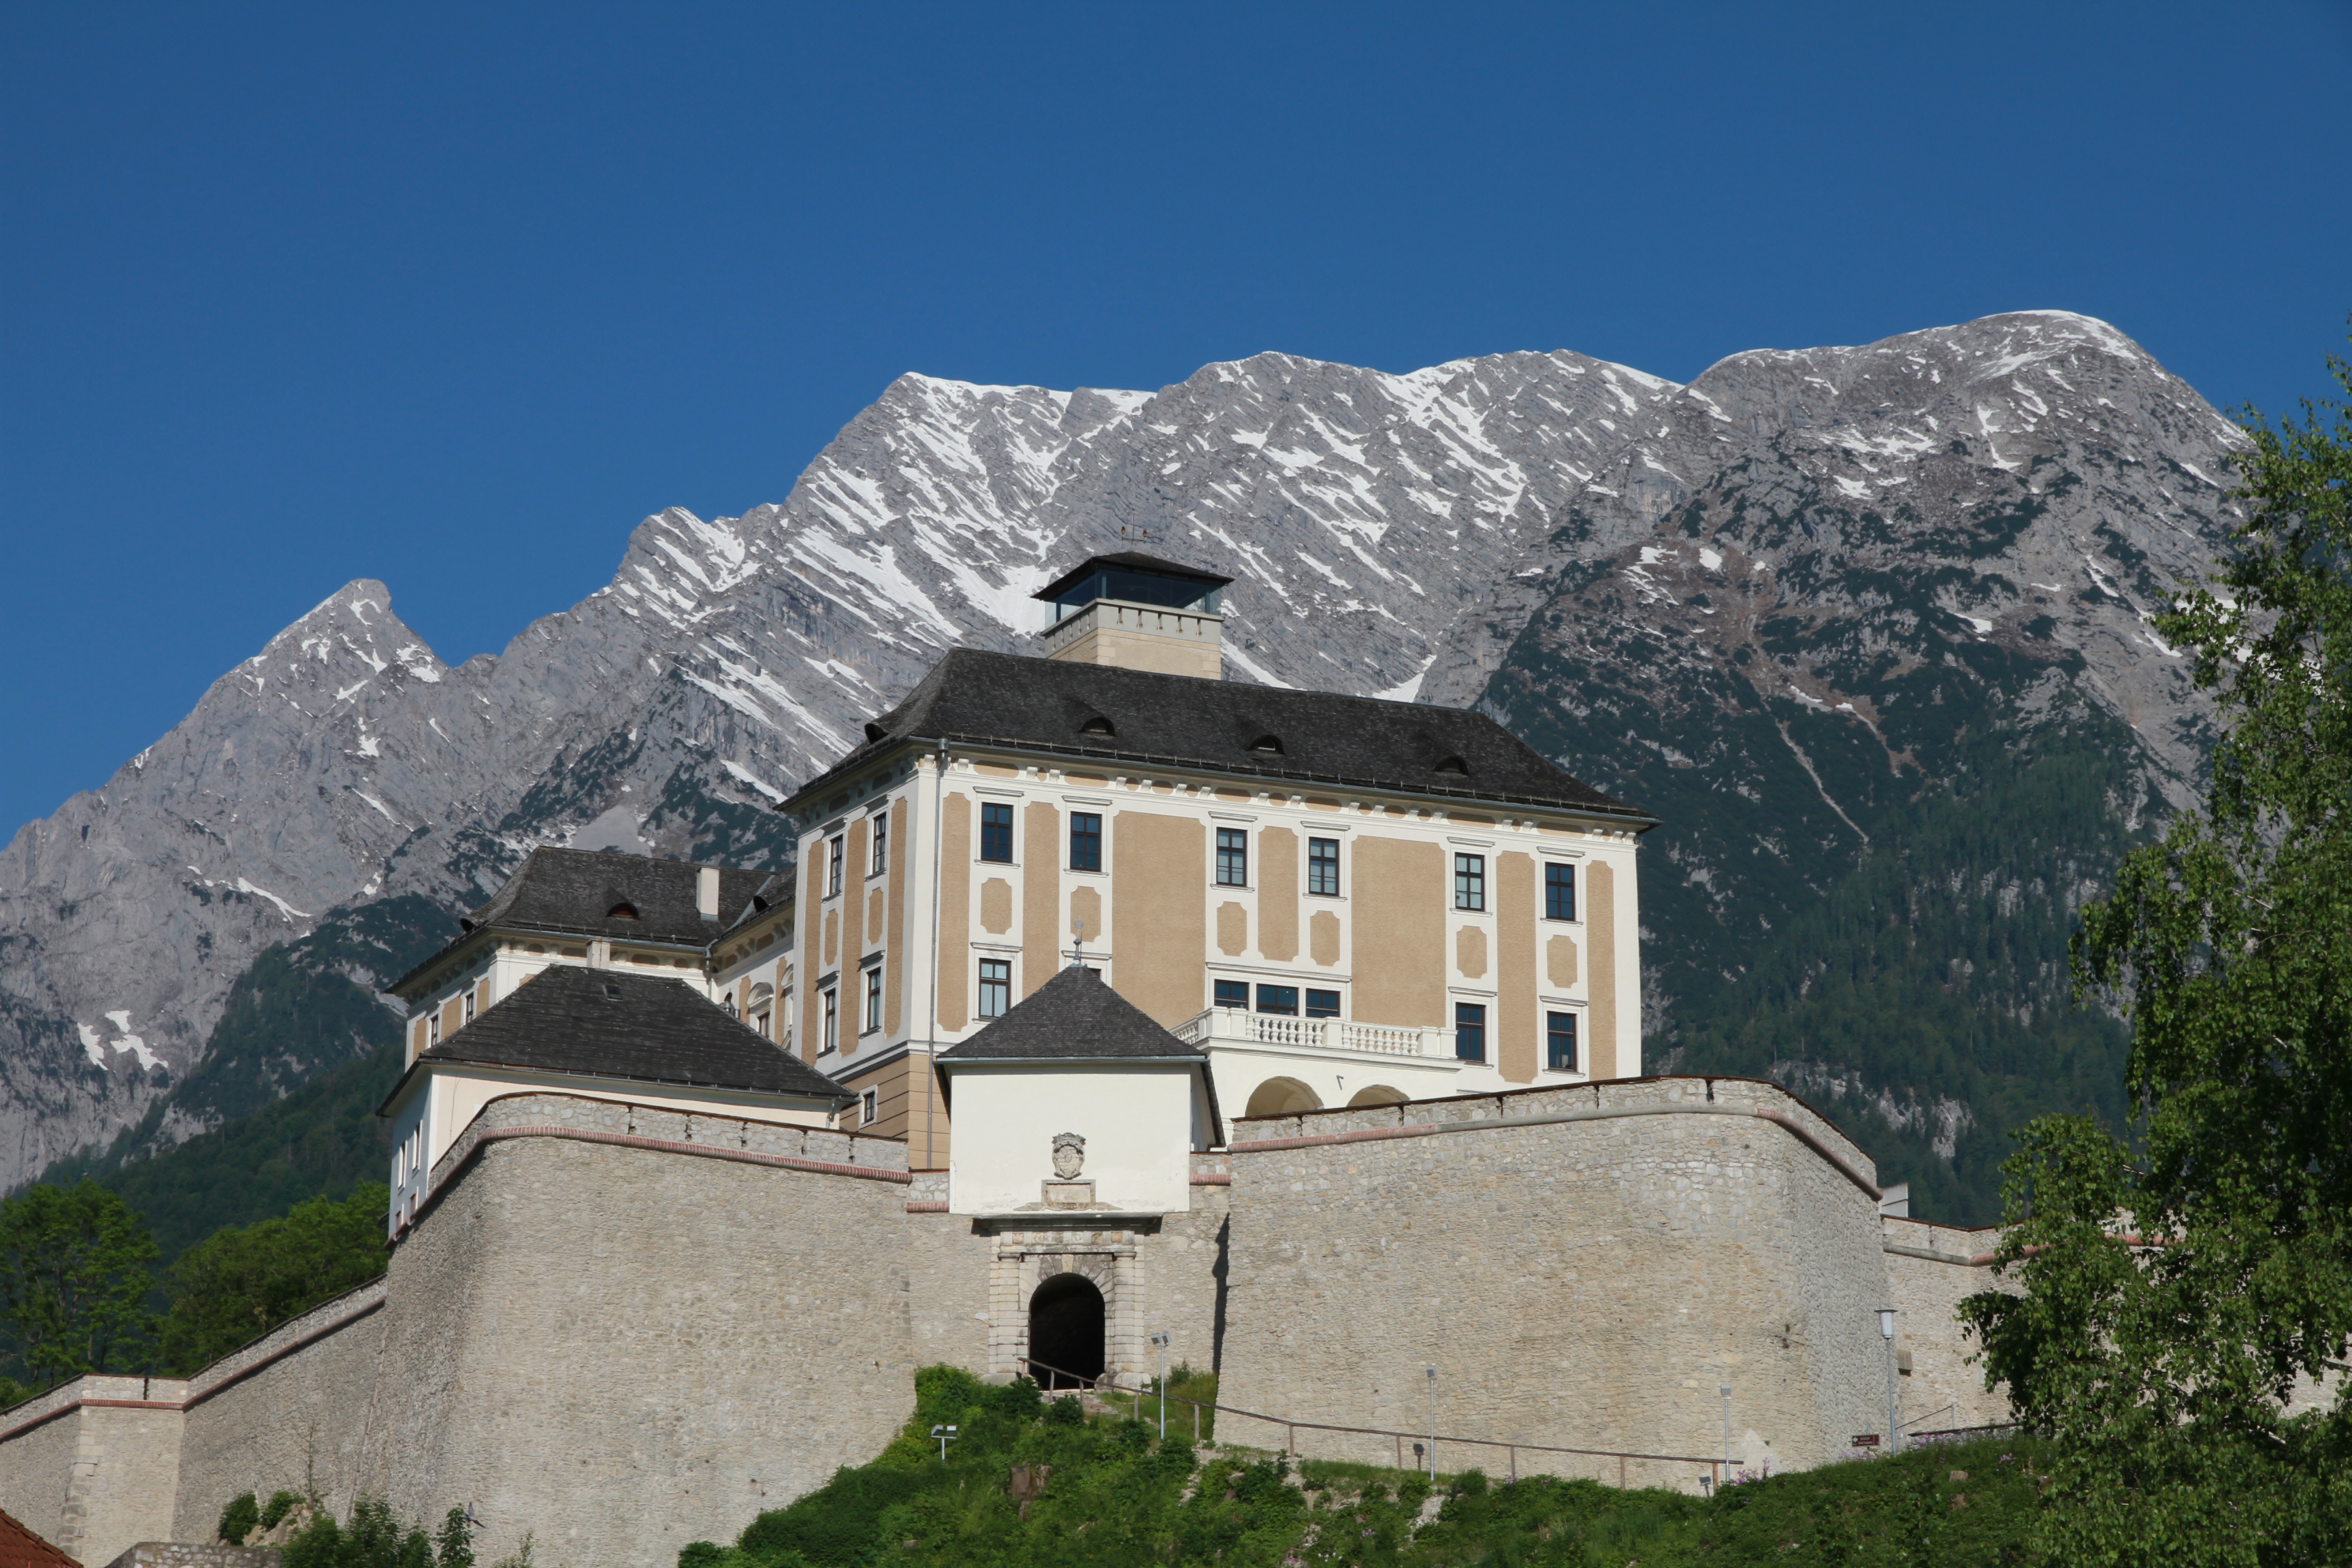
1032, 1484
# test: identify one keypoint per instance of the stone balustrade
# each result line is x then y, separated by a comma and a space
1237, 1025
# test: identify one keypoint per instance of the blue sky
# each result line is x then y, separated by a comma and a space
452, 296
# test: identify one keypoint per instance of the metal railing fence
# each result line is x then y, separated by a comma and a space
1292, 1428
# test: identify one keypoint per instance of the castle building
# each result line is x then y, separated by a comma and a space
1341, 900
1112, 1007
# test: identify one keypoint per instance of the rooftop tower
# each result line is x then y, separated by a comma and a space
1137, 611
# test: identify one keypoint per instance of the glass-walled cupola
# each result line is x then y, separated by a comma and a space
1136, 580
1137, 611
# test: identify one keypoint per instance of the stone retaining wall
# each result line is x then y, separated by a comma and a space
1584, 1266
620, 1349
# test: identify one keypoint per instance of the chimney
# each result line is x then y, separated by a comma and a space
1137, 611
706, 892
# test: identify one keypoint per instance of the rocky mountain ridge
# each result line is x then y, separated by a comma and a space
1672, 589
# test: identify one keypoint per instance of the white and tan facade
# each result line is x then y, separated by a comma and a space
1328, 942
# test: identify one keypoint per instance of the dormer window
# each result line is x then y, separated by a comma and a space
622, 911
874, 732
1271, 744
1455, 766
612, 992
1097, 725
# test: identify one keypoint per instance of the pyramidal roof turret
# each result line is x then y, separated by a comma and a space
1074, 1017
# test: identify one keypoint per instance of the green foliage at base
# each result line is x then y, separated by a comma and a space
373, 1538
239, 1519
1030, 1483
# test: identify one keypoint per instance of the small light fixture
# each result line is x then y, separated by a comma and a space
1885, 1322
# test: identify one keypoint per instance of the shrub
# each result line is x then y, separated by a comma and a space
237, 1520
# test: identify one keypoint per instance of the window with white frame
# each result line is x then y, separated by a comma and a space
1233, 857
873, 1022
1323, 867
996, 832
881, 858
838, 851
995, 987
1469, 881
832, 1036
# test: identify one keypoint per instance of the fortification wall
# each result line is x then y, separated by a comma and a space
93, 1464
621, 1330
285, 1413
1930, 1270
1583, 1266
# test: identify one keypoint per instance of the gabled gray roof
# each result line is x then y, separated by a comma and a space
605, 1023
576, 889
1158, 721
1074, 1017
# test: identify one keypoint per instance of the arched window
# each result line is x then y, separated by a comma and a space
623, 911
1268, 743
1454, 767
1377, 1094
1097, 725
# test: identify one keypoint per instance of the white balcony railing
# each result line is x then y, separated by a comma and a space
1238, 1026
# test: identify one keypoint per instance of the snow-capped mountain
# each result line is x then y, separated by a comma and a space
1550, 534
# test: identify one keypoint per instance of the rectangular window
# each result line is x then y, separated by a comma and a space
1470, 1031
1560, 892
869, 1106
1232, 992
1469, 881
995, 987
469, 1005
1323, 867
881, 846
760, 1024
832, 1021
996, 832
1085, 841
838, 850
1322, 1004
1560, 1035
873, 1000
433, 1028
1233, 857
1278, 999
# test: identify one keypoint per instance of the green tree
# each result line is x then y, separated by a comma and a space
2174, 1300
76, 1265
236, 1285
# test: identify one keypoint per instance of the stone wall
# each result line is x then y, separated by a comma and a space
597, 1336
1930, 1268
93, 1464
1584, 1266
183, 1554
284, 1414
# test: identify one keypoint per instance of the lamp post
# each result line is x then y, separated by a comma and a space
946, 1435
1886, 1332
1160, 1348
1725, 1390
1433, 1426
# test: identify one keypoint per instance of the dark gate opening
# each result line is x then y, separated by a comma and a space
1066, 1332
